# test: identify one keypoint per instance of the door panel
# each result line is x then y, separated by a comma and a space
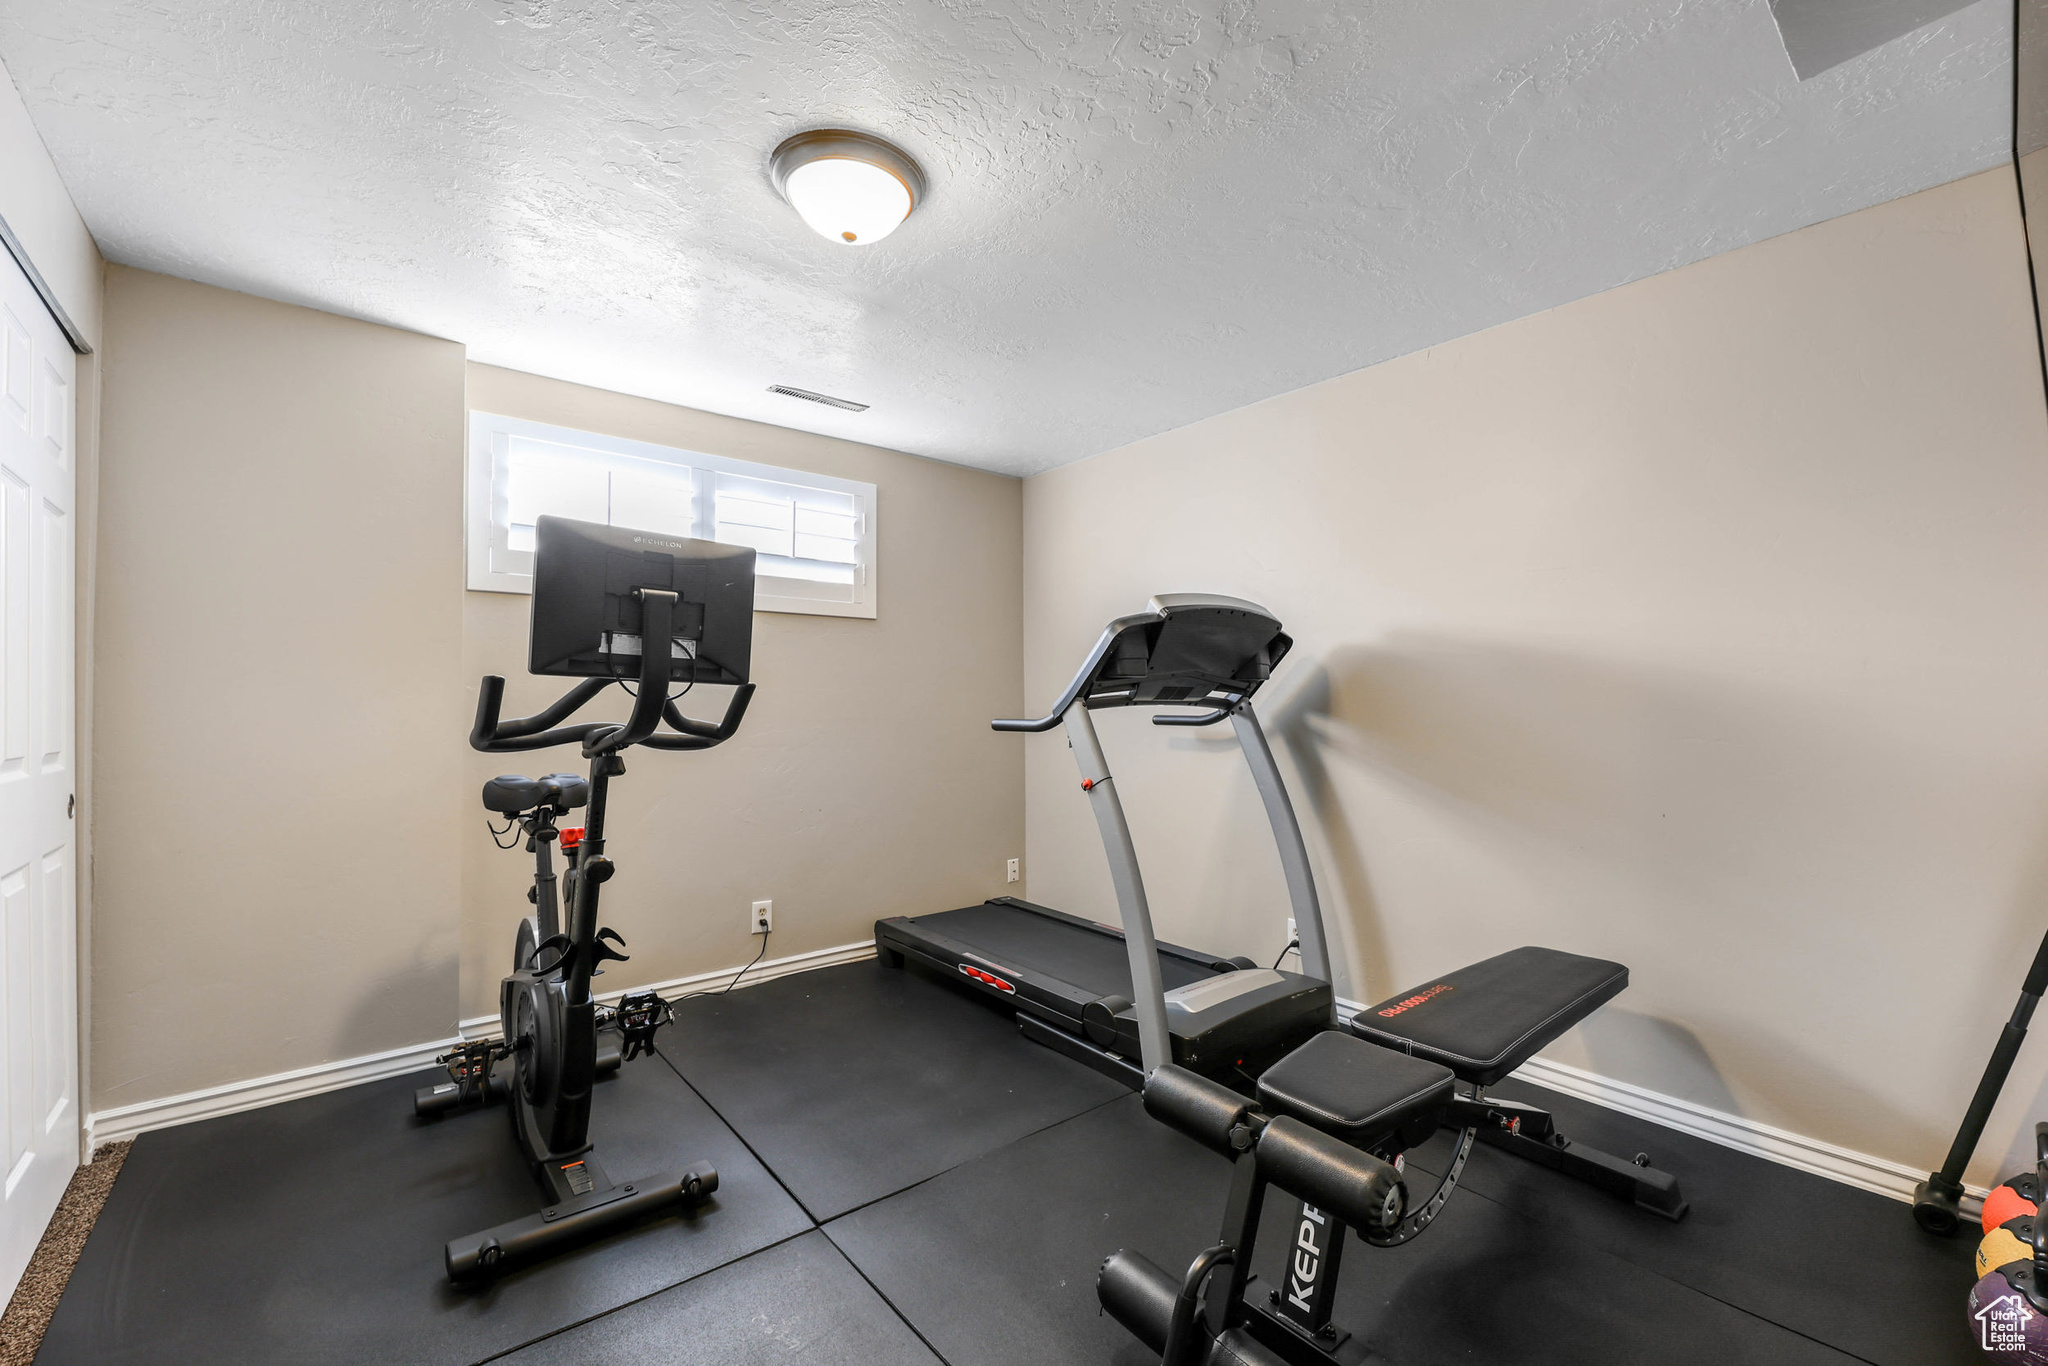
56, 946
14, 638
52, 534
39, 1108
15, 891
17, 365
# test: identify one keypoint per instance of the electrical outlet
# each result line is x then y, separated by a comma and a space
1011, 874
1292, 937
762, 918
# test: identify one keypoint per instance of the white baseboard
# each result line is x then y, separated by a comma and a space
1782, 1146
1861, 1170
127, 1121
1846, 1165
767, 970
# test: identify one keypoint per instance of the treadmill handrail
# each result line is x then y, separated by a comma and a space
1207, 718
1084, 677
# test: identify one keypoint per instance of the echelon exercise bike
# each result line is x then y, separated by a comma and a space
534, 807
606, 600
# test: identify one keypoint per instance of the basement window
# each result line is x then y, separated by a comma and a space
813, 535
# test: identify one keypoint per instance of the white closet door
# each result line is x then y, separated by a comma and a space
38, 978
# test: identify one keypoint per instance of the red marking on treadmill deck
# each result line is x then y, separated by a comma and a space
989, 978
1413, 1001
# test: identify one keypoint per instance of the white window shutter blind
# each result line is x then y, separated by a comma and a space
540, 477
807, 538
653, 497
813, 535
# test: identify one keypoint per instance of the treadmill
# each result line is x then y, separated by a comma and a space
1071, 981
1117, 999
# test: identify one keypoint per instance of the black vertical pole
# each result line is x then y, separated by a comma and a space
1240, 1231
1936, 1204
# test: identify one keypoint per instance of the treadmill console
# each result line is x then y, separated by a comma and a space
1187, 649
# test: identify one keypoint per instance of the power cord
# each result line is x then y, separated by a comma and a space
757, 958
1292, 945
736, 976
689, 653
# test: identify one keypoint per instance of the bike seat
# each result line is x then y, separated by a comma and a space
1352, 1090
565, 791
510, 794
1486, 1020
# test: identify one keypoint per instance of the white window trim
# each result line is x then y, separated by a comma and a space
489, 434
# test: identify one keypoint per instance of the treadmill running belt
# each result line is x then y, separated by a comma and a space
1089, 958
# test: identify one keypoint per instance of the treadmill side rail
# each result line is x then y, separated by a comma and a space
1148, 992
1033, 992
1112, 1065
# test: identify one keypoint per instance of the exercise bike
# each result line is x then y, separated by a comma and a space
603, 602
533, 807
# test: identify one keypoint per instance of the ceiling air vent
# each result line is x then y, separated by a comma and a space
807, 396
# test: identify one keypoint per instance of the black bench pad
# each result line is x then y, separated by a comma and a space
1351, 1090
1486, 1020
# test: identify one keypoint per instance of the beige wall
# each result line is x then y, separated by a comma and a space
865, 782
293, 868
280, 705
1702, 624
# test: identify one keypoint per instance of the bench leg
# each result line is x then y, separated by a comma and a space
1527, 1131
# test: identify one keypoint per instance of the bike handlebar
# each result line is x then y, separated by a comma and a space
702, 734
537, 732
652, 706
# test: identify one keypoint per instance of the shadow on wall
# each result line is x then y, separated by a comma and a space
1771, 864
1291, 718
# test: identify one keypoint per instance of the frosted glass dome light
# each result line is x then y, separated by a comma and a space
852, 188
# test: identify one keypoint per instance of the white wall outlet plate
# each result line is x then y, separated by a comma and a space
1010, 874
761, 920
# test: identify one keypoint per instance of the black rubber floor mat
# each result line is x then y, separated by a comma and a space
856, 1081
994, 1264
1755, 1237
311, 1232
798, 1301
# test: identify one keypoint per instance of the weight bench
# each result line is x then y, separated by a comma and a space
1329, 1117
1484, 1021
1378, 1090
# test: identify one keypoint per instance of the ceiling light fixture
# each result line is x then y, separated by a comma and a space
852, 188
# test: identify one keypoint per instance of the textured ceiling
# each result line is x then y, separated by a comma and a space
1819, 34
1142, 211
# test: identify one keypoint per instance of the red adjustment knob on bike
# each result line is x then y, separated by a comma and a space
572, 835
